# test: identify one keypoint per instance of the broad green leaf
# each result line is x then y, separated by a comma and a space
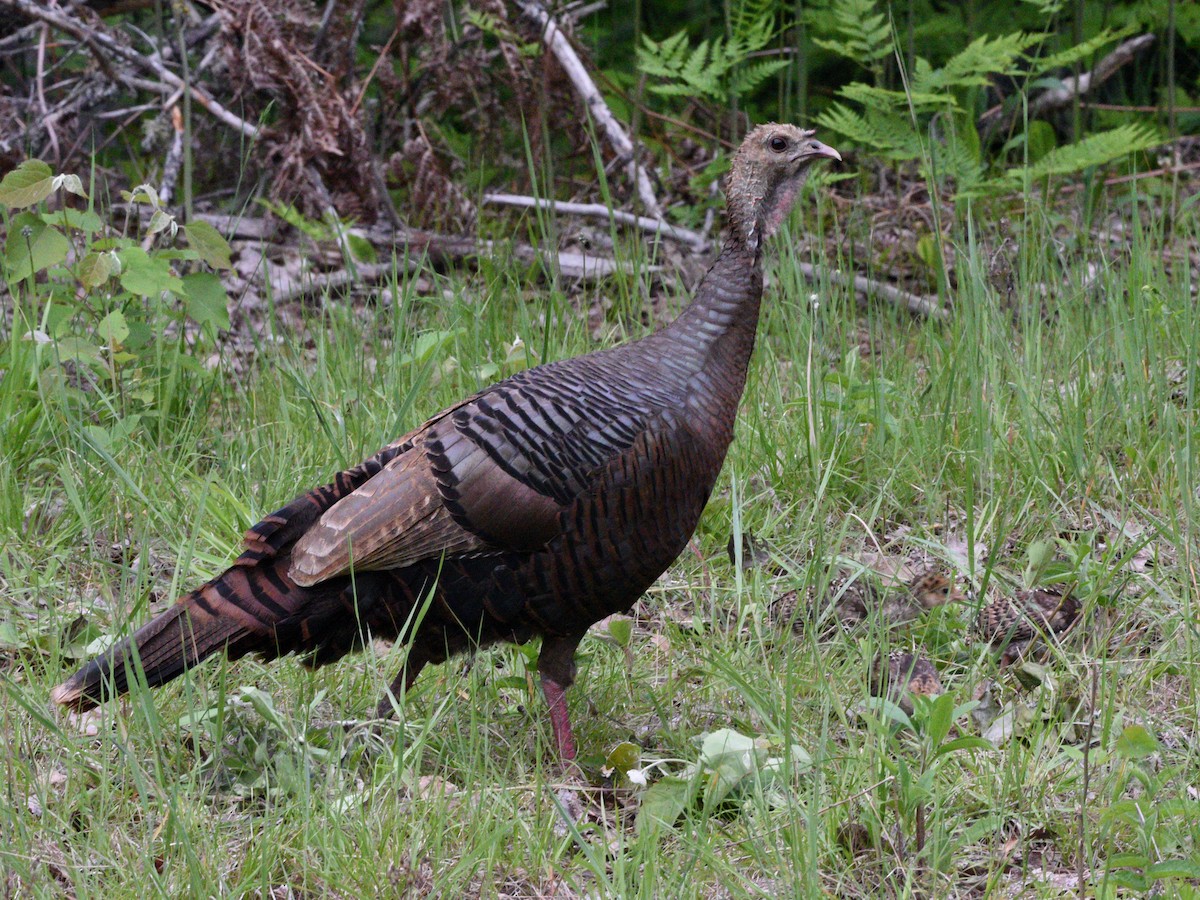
159, 221
208, 242
428, 344
938, 725
888, 711
264, 706
71, 184
10, 638
95, 269
360, 248
112, 328
1041, 140
30, 182
143, 193
1132, 881
623, 757
664, 802
32, 246
620, 629
78, 349
963, 743
1136, 742
145, 275
724, 743
1174, 868
84, 220
1127, 860
207, 302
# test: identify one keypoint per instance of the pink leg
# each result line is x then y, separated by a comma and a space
556, 699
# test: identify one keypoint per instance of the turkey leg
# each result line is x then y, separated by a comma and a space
556, 664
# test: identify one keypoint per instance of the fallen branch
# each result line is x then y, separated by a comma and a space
997, 119
921, 306
557, 41
95, 39
695, 240
445, 248
287, 290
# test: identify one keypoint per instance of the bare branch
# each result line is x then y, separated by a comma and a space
921, 306
695, 240
557, 41
95, 39
997, 119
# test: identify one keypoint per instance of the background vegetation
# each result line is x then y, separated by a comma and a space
162, 389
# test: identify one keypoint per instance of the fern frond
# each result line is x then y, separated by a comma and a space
747, 78
880, 98
859, 32
1094, 150
713, 69
1079, 52
972, 66
890, 135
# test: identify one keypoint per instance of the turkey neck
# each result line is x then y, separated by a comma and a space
712, 339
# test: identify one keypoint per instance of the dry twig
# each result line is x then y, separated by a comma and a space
921, 306
557, 41
98, 40
696, 241
997, 119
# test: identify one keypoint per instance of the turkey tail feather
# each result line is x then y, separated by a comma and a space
225, 614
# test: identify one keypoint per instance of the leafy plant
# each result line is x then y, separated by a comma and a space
732, 769
1149, 818
258, 750
914, 778
107, 312
857, 31
716, 69
933, 119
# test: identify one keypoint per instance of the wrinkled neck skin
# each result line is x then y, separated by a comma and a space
717, 329
716, 332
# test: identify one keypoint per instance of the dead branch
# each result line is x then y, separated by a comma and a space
997, 119
287, 290
693, 239
921, 306
440, 248
557, 41
96, 40
174, 161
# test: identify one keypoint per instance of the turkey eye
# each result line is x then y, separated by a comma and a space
778, 144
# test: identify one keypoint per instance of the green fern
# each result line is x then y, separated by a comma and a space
889, 134
928, 121
1094, 150
859, 31
982, 58
715, 69
1079, 52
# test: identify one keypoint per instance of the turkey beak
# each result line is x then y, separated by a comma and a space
814, 150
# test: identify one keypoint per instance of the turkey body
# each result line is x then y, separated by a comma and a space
536, 507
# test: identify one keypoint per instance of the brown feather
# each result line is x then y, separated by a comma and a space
392, 521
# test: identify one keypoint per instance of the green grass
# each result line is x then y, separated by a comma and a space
1050, 422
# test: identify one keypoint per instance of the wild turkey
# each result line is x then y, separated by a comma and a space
536, 507
1013, 623
925, 592
904, 675
860, 601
